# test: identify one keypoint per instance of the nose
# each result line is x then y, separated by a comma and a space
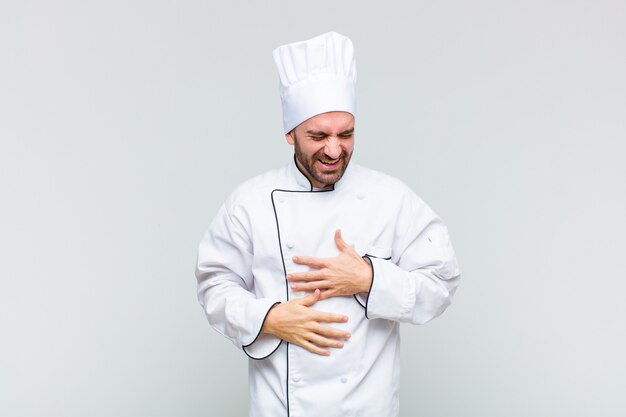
333, 147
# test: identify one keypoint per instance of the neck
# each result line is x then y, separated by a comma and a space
314, 183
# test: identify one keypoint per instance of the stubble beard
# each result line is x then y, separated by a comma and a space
310, 170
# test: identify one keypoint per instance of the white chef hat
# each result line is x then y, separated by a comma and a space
316, 76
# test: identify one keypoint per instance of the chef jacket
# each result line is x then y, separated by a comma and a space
247, 251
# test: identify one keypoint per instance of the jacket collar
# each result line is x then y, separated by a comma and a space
303, 183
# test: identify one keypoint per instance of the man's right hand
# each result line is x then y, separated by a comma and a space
295, 322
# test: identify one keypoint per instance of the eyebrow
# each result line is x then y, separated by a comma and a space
322, 133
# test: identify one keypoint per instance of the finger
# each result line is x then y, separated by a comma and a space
311, 286
309, 300
326, 294
322, 317
305, 276
341, 244
322, 341
328, 331
311, 261
306, 344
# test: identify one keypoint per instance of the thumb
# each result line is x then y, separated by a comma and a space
341, 244
309, 300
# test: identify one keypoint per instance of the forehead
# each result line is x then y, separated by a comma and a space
334, 121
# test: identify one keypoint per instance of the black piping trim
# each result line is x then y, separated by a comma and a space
377, 257
357, 300
287, 377
280, 245
259, 334
372, 268
295, 161
311, 190
371, 285
282, 258
369, 261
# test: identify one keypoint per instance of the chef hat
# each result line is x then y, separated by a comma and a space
316, 76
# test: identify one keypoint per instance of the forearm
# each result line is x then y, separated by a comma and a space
408, 296
295, 322
232, 310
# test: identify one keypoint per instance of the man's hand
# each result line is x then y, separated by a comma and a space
295, 322
344, 274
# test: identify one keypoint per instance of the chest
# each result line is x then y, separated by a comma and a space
304, 223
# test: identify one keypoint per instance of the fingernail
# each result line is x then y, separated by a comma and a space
340, 344
348, 335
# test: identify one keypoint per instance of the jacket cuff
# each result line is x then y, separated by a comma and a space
362, 297
390, 295
263, 344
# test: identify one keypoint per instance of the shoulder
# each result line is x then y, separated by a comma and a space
256, 189
380, 182
390, 192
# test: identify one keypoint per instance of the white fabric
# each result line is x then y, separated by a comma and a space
275, 216
316, 76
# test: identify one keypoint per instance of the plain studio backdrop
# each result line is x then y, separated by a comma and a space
125, 124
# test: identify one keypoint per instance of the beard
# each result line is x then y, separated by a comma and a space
312, 167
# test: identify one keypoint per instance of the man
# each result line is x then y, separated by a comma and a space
309, 268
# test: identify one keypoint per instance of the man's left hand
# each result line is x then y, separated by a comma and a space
345, 274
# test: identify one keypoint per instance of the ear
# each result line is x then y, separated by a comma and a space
289, 137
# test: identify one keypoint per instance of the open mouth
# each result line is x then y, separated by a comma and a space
330, 163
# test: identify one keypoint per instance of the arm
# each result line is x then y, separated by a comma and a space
295, 322
420, 285
415, 287
257, 325
224, 278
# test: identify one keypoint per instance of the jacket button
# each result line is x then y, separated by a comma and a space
360, 196
281, 199
290, 245
344, 379
295, 379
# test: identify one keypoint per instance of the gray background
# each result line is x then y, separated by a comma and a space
125, 124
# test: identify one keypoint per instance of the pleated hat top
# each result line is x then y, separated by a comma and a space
316, 76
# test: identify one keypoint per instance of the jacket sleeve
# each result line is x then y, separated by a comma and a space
417, 284
225, 286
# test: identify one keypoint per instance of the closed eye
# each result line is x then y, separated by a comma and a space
347, 133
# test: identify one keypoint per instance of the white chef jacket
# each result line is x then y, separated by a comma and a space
246, 252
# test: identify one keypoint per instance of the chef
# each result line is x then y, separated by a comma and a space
311, 267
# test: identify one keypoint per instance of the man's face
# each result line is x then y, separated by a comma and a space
323, 145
